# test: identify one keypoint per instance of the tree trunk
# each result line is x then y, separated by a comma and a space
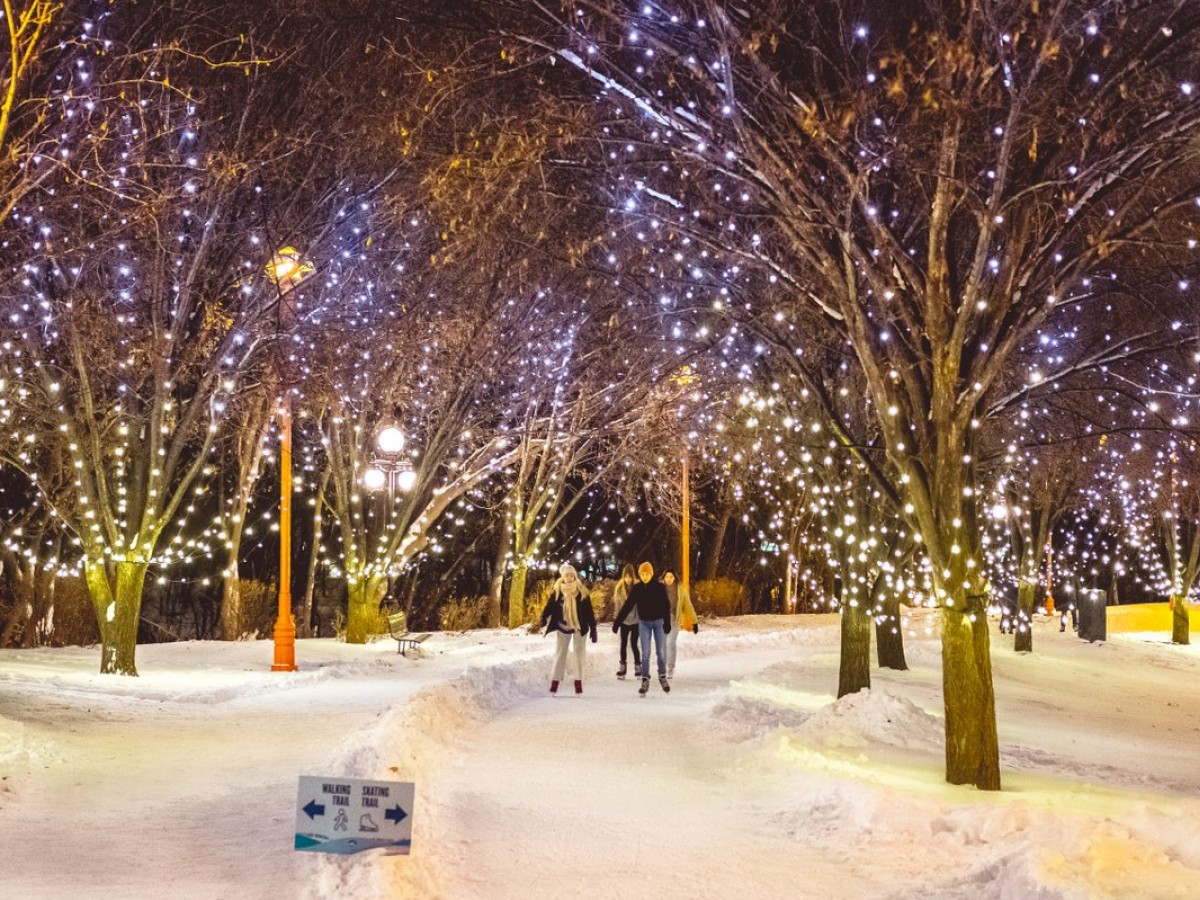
854, 673
314, 554
363, 617
43, 606
972, 747
1023, 630
516, 596
117, 613
889, 638
496, 585
233, 616
1180, 626
718, 541
21, 617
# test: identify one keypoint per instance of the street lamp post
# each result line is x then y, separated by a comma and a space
286, 270
285, 624
684, 378
685, 529
390, 469
1049, 578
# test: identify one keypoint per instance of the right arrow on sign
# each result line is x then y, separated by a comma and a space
395, 814
314, 809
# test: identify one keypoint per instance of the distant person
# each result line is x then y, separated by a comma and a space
649, 598
569, 614
683, 616
627, 627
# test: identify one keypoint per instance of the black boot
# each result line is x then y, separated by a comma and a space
621, 672
666, 685
644, 688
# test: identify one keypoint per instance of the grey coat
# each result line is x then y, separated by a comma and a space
620, 595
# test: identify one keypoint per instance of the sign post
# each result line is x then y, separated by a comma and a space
349, 815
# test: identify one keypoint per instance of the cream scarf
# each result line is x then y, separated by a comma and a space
571, 594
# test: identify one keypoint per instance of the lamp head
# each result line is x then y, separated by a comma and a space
391, 440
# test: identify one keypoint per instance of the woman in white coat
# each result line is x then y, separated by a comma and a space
569, 615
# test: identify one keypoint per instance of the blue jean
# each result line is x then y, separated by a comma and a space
645, 629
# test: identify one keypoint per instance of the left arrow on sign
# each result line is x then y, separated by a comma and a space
314, 809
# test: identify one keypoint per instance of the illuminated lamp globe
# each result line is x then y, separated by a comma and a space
374, 479
391, 440
406, 479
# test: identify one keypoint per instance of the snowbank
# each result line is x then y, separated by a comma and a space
747, 779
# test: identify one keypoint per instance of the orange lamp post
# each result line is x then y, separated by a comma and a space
685, 530
684, 378
1049, 577
286, 270
285, 624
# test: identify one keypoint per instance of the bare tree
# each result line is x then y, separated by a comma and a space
1159, 492
30, 131
139, 304
937, 180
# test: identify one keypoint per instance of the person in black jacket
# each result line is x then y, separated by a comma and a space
649, 598
569, 615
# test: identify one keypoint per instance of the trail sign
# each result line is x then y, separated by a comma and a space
348, 815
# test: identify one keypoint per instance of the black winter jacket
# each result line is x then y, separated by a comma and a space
650, 600
553, 619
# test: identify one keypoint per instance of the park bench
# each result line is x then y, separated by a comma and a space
407, 640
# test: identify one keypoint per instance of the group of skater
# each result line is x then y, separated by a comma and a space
646, 610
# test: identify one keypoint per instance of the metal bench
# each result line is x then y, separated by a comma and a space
407, 640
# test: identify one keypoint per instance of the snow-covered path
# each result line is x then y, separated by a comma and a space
744, 781
747, 780
185, 776
634, 797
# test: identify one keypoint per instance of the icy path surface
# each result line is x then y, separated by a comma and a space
746, 781
627, 797
181, 782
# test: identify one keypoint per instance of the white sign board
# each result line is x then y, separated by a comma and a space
348, 815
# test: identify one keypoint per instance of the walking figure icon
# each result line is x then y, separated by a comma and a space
342, 822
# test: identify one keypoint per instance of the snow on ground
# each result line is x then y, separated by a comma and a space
746, 780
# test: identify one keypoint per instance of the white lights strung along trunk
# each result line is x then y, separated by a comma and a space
937, 184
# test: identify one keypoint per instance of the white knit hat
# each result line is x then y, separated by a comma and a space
567, 567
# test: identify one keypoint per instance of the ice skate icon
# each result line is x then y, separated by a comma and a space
366, 823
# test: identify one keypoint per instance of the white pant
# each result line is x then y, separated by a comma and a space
672, 647
560, 657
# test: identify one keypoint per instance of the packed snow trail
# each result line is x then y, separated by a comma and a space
627, 797
182, 782
746, 781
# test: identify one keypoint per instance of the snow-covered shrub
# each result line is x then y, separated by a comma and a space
464, 613
260, 606
602, 599
720, 597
